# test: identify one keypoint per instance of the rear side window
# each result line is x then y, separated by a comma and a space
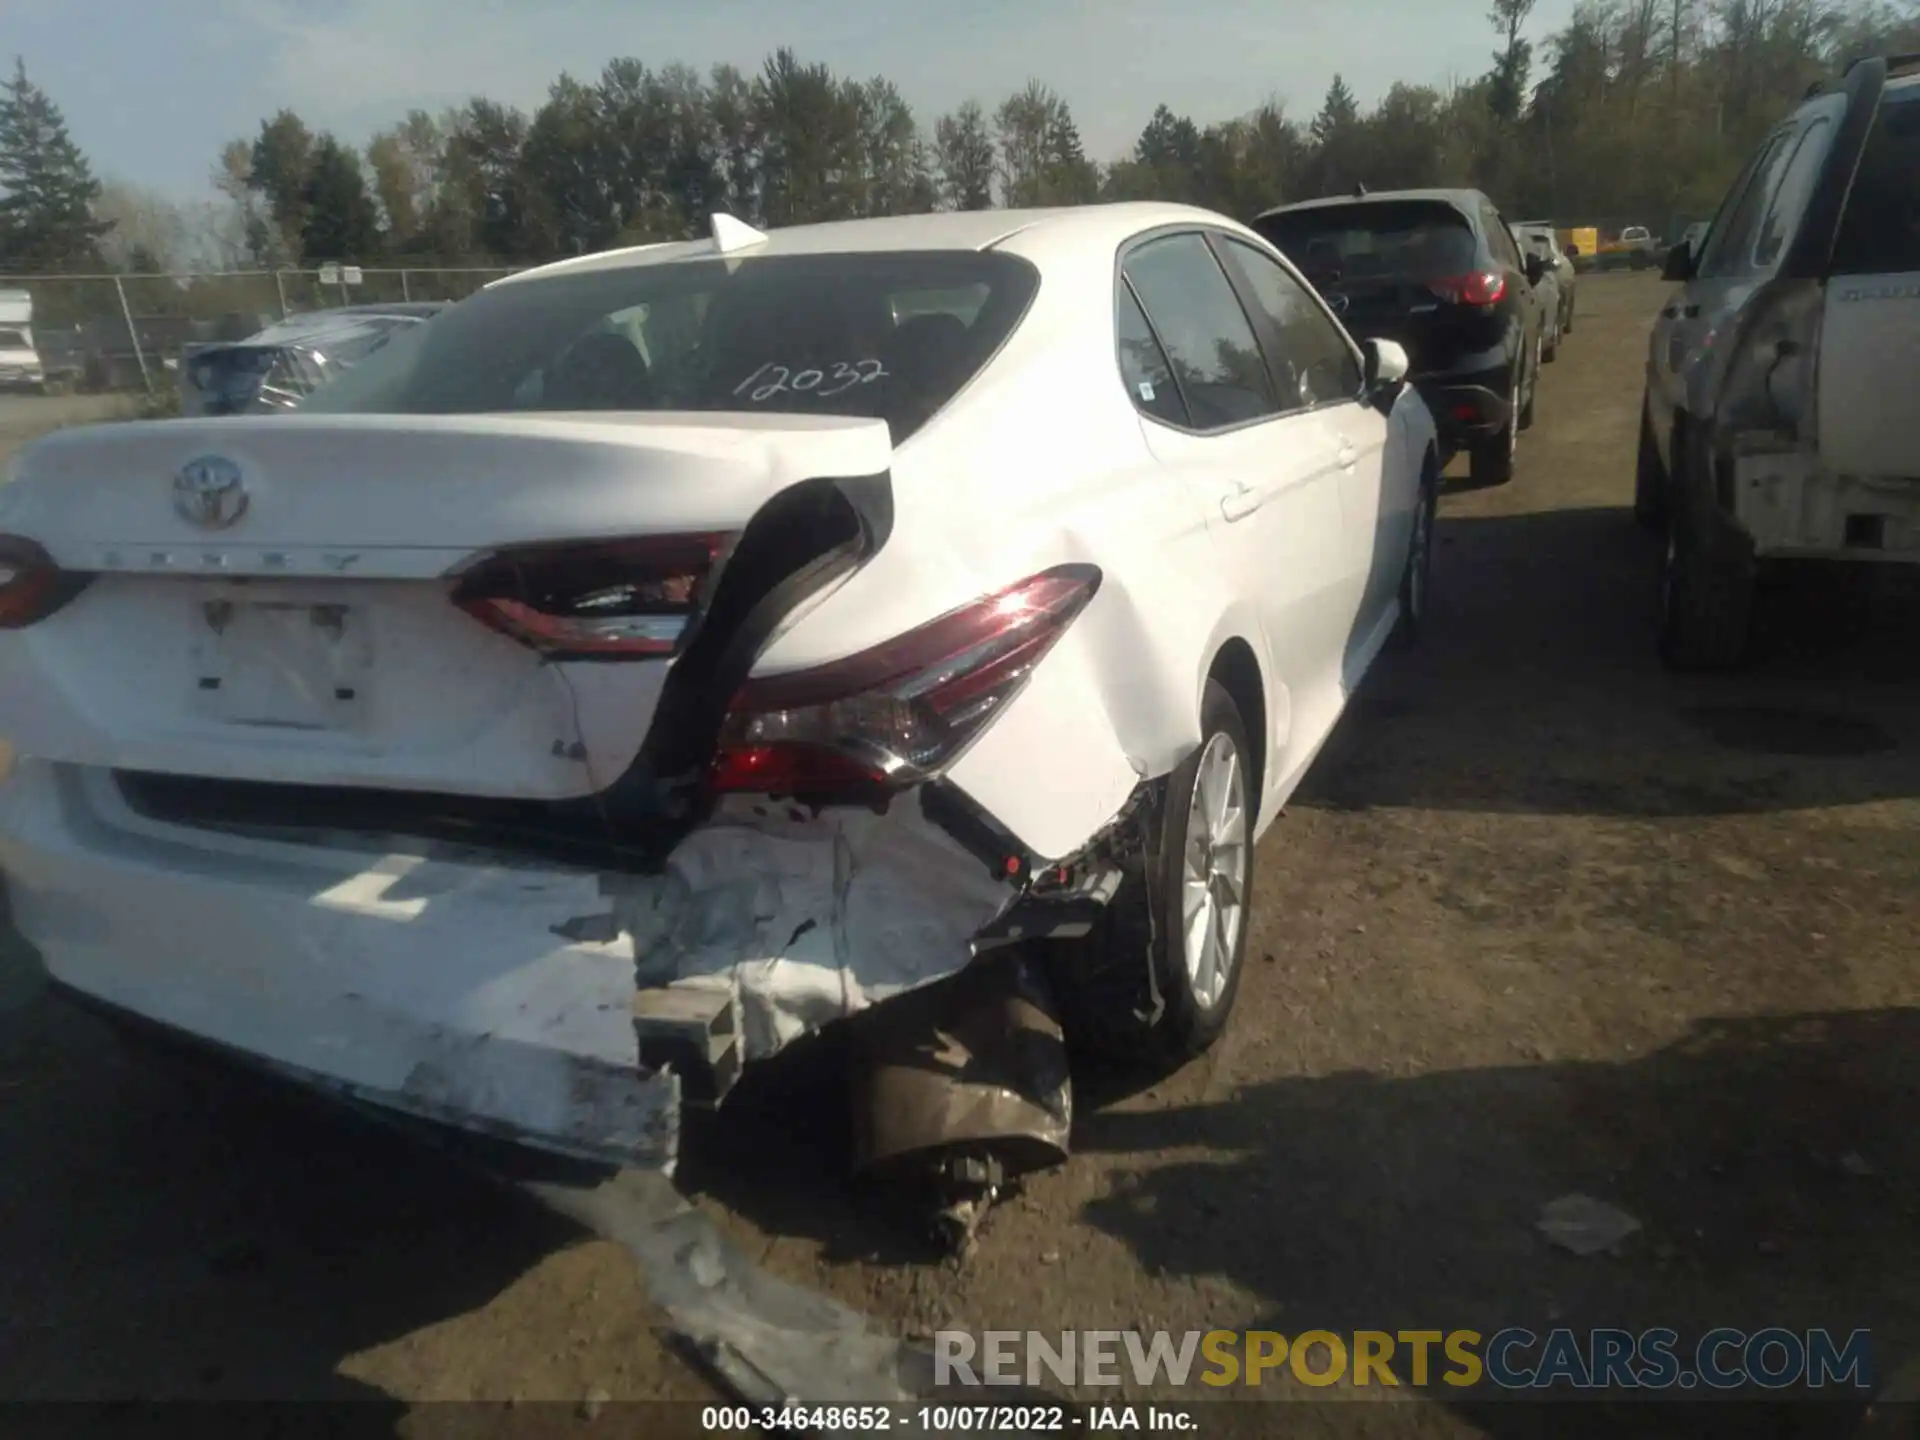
1424, 238
12, 340
1731, 239
885, 336
1207, 337
1144, 366
1797, 180
1880, 232
1499, 239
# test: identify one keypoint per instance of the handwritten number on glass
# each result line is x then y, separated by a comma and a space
835, 379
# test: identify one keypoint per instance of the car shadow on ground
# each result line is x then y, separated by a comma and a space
1770, 1163
1537, 689
174, 1230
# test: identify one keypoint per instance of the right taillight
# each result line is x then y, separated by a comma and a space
900, 712
1482, 287
32, 587
594, 600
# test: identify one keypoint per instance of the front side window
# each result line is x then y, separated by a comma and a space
1207, 337
885, 336
1315, 363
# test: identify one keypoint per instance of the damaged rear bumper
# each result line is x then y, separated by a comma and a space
430, 986
502, 996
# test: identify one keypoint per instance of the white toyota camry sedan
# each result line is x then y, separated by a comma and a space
728, 635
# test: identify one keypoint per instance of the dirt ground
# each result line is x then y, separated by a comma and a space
1544, 919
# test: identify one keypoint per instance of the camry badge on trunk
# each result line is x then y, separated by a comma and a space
208, 492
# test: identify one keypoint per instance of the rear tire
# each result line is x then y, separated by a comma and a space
1706, 599
1490, 461
1197, 948
1649, 478
1533, 390
1414, 580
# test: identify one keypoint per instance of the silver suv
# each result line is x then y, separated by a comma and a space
1779, 422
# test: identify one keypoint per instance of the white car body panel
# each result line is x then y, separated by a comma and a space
1869, 352
439, 703
399, 970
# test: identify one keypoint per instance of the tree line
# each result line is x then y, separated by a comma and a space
1635, 111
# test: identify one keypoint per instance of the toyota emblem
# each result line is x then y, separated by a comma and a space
209, 492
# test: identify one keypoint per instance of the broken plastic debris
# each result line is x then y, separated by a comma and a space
1584, 1225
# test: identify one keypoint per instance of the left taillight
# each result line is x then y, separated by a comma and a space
32, 586
1767, 397
901, 712
597, 600
1482, 287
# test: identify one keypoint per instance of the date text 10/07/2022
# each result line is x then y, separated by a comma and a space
947, 1419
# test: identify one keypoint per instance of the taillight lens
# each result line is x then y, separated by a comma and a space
1483, 287
32, 587
898, 713
598, 600
1767, 397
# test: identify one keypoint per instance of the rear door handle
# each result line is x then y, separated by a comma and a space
1346, 454
1241, 503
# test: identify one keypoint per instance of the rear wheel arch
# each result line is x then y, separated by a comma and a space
1236, 669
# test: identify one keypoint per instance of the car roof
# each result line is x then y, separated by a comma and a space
1465, 200
1043, 235
344, 323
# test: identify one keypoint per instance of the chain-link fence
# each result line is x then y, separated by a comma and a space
125, 332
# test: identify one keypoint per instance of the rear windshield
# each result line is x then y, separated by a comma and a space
1356, 242
885, 336
1880, 232
12, 340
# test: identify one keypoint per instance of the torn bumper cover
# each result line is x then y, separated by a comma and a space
474, 989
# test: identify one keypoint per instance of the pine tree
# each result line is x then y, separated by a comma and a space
1339, 113
47, 189
341, 221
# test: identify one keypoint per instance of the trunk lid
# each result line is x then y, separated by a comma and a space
272, 596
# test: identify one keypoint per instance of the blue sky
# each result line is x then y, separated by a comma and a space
152, 88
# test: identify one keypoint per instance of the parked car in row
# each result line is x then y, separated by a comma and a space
1560, 283
281, 366
20, 364
1439, 271
737, 633
1779, 421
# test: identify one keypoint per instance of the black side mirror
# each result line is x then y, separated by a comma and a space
1679, 266
1536, 269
